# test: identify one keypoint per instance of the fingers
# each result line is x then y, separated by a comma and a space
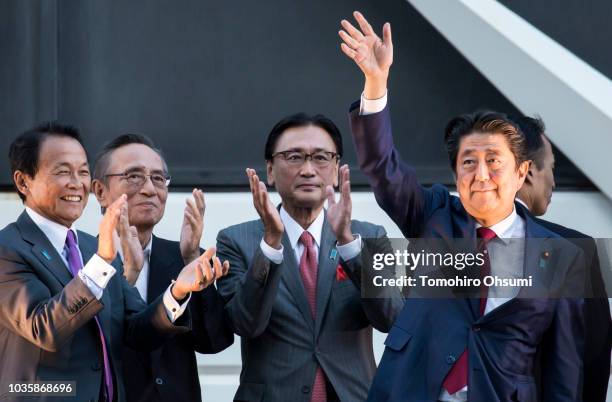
348, 51
345, 183
226, 267
354, 32
365, 26
331, 197
124, 225
190, 218
387, 34
352, 43
208, 274
217, 269
198, 196
209, 253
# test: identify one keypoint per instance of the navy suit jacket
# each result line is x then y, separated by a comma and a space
430, 334
170, 373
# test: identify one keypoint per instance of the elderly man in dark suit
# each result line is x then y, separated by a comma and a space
467, 348
65, 311
132, 165
293, 290
536, 194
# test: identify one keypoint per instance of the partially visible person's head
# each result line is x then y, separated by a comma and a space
487, 153
302, 157
50, 171
540, 181
132, 165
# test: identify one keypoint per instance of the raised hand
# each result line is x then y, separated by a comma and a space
193, 226
133, 255
339, 213
373, 55
199, 274
273, 226
107, 230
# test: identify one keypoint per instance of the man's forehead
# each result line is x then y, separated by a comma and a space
134, 156
305, 138
483, 142
57, 150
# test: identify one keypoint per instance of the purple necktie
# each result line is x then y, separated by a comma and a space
75, 264
308, 271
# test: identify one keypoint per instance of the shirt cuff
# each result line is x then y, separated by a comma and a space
96, 274
173, 308
274, 255
371, 106
350, 250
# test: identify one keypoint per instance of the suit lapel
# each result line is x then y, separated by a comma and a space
326, 272
161, 269
293, 281
43, 249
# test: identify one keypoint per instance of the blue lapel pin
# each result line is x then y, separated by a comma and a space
46, 254
332, 254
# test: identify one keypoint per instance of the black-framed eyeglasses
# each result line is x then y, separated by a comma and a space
138, 179
298, 158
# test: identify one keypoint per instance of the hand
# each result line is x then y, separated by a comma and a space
339, 213
107, 230
273, 226
193, 225
133, 255
198, 274
373, 55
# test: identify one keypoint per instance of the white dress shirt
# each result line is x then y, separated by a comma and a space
294, 231
97, 272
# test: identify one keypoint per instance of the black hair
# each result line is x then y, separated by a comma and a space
484, 121
301, 120
533, 129
103, 157
24, 151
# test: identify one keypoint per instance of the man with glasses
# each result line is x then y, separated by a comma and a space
293, 290
132, 165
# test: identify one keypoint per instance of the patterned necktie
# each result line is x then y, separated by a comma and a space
457, 377
308, 271
75, 265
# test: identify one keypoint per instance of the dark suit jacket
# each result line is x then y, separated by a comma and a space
430, 334
598, 328
281, 343
170, 373
47, 331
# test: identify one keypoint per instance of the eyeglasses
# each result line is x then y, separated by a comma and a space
298, 158
138, 179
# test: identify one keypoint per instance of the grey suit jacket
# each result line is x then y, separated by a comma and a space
47, 330
281, 343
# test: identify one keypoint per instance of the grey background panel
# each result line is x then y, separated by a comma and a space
583, 27
207, 80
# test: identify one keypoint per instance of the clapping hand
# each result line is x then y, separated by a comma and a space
133, 255
273, 226
193, 226
199, 274
107, 234
339, 212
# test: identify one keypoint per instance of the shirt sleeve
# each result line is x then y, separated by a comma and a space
173, 308
96, 274
371, 106
350, 250
274, 255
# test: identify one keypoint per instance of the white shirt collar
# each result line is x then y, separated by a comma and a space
55, 232
294, 230
521, 202
506, 228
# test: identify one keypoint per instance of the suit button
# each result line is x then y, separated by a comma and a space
450, 359
96, 366
476, 328
159, 381
305, 389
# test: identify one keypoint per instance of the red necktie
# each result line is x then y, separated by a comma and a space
457, 377
308, 271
